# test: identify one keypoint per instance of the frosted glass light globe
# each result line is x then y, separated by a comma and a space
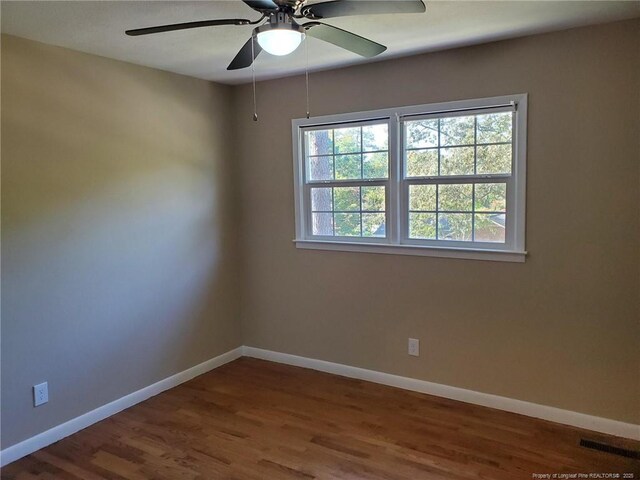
279, 41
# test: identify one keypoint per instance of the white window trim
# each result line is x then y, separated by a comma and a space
395, 243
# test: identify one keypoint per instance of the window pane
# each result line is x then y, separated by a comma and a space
376, 165
422, 163
494, 127
347, 219
461, 144
422, 197
454, 226
319, 142
322, 223
375, 137
456, 161
373, 225
494, 159
457, 131
347, 140
320, 168
346, 198
421, 133
491, 197
422, 225
348, 167
373, 199
490, 227
321, 200
347, 224
455, 197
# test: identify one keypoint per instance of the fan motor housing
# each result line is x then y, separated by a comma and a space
293, 5
280, 18
281, 21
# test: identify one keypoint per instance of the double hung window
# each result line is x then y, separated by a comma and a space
442, 180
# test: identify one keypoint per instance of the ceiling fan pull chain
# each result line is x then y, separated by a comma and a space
306, 50
253, 73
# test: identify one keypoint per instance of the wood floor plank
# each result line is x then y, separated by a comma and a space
256, 420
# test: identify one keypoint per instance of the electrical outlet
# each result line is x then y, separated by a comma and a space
40, 394
414, 347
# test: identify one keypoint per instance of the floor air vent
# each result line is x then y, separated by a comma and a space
603, 447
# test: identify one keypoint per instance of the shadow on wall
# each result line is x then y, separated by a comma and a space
117, 245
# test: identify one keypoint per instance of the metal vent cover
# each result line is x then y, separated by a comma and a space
603, 447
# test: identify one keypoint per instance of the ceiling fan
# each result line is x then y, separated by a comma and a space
280, 33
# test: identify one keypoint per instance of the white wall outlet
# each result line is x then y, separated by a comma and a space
414, 347
40, 394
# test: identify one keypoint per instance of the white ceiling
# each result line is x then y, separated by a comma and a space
98, 27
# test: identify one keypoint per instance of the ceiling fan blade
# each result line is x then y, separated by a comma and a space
261, 5
244, 58
183, 26
345, 8
347, 40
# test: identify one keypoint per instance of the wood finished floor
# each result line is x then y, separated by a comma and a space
252, 419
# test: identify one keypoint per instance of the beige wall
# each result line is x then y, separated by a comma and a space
119, 257
123, 261
563, 328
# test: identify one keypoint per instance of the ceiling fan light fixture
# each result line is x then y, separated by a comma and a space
281, 34
280, 41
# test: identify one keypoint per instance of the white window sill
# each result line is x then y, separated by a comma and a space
419, 250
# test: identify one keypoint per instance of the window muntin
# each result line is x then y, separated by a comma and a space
347, 152
447, 176
468, 212
457, 167
347, 172
354, 211
460, 144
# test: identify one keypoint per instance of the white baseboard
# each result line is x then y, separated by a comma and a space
566, 417
54, 434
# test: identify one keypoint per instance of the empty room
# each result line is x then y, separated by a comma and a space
311, 239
